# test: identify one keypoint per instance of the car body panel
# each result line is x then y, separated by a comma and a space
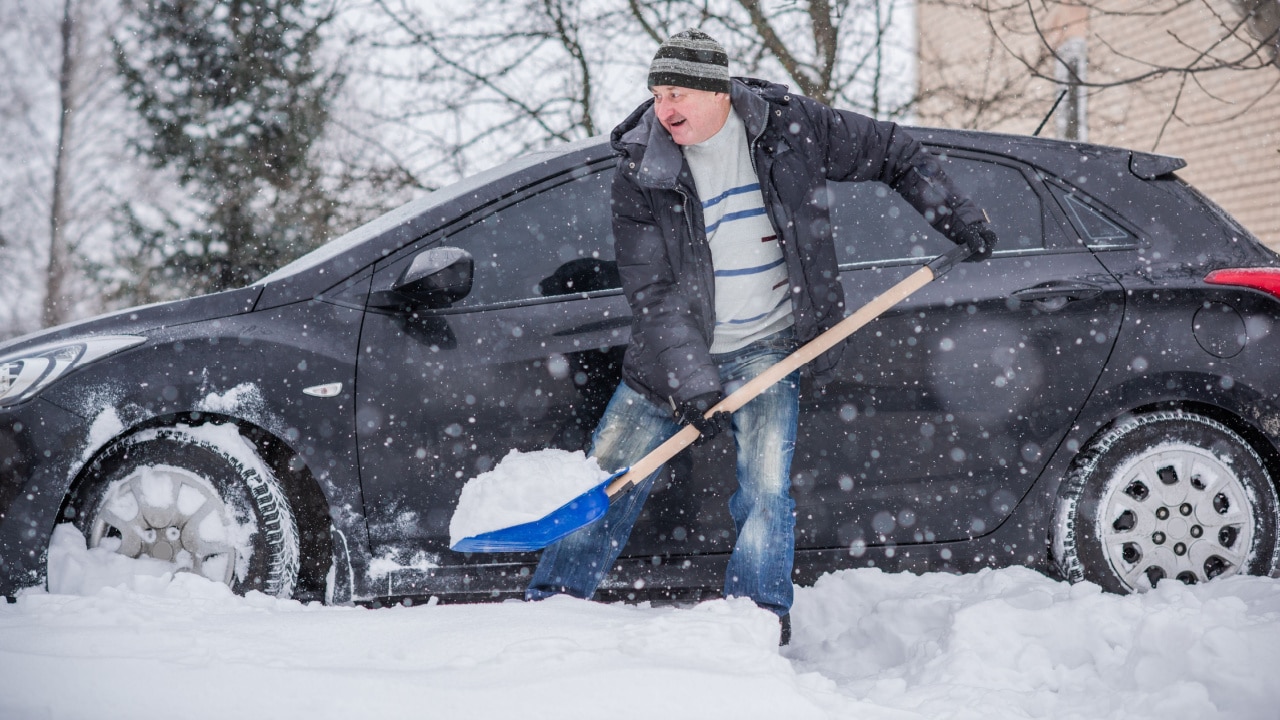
43, 445
940, 446
143, 318
173, 376
943, 436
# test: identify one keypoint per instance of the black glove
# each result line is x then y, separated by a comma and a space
692, 412
980, 238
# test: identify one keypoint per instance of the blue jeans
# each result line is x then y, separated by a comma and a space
764, 431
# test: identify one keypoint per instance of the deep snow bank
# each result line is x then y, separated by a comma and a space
139, 642
1012, 643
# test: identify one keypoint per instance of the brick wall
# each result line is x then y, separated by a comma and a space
1226, 123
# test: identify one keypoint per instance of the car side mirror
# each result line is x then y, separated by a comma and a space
436, 278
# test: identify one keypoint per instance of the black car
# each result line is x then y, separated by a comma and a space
1098, 400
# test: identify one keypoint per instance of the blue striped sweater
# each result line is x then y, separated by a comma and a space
753, 298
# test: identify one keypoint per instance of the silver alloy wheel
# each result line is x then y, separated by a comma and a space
169, 514
1176, 512
199, 496
1165, 494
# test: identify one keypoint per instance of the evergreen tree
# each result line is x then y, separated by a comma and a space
233, 100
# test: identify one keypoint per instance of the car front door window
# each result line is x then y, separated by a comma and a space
558, 242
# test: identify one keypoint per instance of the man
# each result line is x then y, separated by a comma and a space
725, 253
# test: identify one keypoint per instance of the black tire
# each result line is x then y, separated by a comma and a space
199, 496
1166, 494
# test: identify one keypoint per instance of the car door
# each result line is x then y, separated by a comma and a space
526, 361
948, 406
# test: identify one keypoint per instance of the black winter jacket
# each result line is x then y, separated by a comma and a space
797, 145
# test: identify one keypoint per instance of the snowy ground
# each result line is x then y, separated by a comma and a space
118, 641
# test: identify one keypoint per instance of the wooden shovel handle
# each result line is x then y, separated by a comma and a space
645, 467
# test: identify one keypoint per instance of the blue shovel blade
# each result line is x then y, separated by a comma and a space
537, 534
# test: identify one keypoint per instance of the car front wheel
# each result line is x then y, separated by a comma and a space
199, 497
1166, 494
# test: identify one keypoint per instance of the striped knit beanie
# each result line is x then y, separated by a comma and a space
691, 59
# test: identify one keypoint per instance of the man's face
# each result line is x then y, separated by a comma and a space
691, 116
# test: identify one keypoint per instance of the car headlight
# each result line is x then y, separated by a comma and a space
26, 373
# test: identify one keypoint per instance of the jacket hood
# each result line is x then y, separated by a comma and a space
660, 160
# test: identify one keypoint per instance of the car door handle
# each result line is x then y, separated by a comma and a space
1063, 290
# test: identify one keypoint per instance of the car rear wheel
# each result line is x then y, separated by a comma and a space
199, 497
1166, 495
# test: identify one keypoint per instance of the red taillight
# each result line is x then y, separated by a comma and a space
1265, 279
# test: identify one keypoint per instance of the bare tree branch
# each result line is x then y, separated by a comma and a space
568, 38
810, 84
55, 306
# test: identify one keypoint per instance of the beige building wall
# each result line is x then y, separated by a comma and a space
977, 70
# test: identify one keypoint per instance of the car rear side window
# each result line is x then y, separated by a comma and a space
1099, 231
557, 242
872, 224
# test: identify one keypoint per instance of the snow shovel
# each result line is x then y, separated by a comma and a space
591, 505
